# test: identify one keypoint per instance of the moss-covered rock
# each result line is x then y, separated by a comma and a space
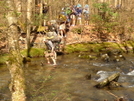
34, 52
90, 47
3, 58
109, 48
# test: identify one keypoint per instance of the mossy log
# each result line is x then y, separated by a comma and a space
108, 80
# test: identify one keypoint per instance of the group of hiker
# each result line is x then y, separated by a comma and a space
56, 31
73, 14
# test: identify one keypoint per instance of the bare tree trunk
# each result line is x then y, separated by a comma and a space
33, 10
41, 12
17, 86
115, 3
23, 16
29, 21
50, 10
120, 2
102, 0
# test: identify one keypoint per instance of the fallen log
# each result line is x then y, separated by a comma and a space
108, 80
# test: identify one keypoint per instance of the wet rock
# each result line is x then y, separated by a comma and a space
118, 58
105, 57
106, 82
91, 57
114, 84
88, 76
26, 59
122, 57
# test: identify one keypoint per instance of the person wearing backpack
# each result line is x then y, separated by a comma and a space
62, 29
68, 11
72, 19
86, 14
51, 40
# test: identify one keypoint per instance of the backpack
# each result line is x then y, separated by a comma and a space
51, 28
62, 18
68, 11
53, 36
40, 29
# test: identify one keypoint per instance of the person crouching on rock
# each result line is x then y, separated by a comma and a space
50, 54
51, 40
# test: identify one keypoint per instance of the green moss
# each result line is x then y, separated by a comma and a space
3, 58
69, 49
76, 48
81, 47
33, 52
96, 47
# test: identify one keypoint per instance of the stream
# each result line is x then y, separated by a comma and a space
73, 79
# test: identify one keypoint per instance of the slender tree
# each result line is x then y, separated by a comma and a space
17, 85
29, 24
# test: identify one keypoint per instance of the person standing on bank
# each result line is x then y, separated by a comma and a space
86, 14
79, 14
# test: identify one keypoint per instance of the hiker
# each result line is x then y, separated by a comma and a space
45, 8
78, 13
62, 27
86, 14
52, 41
72, 19
49, 54
72, 16
51, 27
68, 11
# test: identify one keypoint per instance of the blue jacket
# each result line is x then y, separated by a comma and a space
78, 11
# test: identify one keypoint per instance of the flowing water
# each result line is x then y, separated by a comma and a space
73, 79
